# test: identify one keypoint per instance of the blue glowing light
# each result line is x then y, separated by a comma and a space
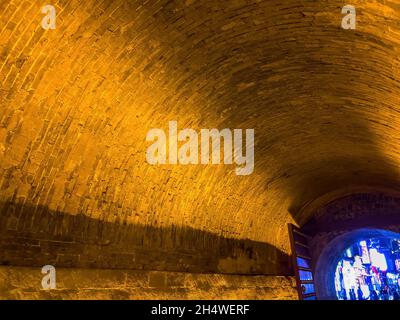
369, 270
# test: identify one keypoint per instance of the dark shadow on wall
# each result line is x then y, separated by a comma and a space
307, 87
36, 236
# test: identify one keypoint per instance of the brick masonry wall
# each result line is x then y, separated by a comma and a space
25, 283
76, 104
77, 241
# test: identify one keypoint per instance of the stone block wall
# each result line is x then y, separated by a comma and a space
25, 283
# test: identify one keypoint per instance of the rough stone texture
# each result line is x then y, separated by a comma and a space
76, 104
25, 283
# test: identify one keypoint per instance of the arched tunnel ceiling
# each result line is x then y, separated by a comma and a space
77, 102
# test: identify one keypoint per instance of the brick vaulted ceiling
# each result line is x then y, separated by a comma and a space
76, 104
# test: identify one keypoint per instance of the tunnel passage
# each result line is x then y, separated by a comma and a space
76, 104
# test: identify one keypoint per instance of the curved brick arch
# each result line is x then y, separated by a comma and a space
76, 104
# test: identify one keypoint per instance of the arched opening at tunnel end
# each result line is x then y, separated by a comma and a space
346, 251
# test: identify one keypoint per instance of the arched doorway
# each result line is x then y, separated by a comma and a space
327, 264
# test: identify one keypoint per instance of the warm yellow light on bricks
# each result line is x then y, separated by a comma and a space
77, 101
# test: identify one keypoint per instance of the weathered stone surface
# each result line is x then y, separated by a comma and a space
25, 283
